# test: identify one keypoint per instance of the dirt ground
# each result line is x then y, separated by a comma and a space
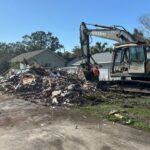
27, 126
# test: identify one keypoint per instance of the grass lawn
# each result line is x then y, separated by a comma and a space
134, 112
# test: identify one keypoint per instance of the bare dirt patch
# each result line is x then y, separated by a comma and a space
25, 126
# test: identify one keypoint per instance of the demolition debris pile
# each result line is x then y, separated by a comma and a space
46, 86
57, 87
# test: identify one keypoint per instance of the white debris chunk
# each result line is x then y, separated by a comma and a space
71, 86
54, 101
56, 93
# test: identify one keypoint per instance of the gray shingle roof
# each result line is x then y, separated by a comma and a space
99, 58
103, 57
70, 63
27, 56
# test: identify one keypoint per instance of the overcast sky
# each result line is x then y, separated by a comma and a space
63, 17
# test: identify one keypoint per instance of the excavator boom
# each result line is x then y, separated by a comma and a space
116, 33
107, 32
120, 36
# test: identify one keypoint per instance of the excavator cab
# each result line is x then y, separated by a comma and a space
131, 60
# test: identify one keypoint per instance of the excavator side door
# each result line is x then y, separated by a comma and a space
121, 61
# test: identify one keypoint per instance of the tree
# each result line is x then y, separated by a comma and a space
98, 47
109, 49
4, 58
60, 54
41, 40
145, 21
68, 56
4, 66
138, 34
76, 52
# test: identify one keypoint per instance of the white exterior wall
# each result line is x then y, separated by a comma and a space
105, 71
71, 70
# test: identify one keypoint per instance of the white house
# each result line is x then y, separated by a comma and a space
104, 60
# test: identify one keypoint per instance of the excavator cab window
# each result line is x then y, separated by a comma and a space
137, 54
137, 59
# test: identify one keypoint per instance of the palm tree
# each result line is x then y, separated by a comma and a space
98, 47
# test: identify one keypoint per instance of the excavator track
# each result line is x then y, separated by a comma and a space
126, 86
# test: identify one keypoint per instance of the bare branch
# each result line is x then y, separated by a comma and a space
145, 21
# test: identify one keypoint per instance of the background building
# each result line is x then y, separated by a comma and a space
102, 59
43, 57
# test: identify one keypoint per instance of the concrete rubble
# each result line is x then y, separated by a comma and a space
46, 86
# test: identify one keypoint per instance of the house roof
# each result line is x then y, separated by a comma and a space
100, 58
27, 56
105, 57
31, 54
70, 63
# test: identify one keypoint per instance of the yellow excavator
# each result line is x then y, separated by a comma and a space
131, 57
